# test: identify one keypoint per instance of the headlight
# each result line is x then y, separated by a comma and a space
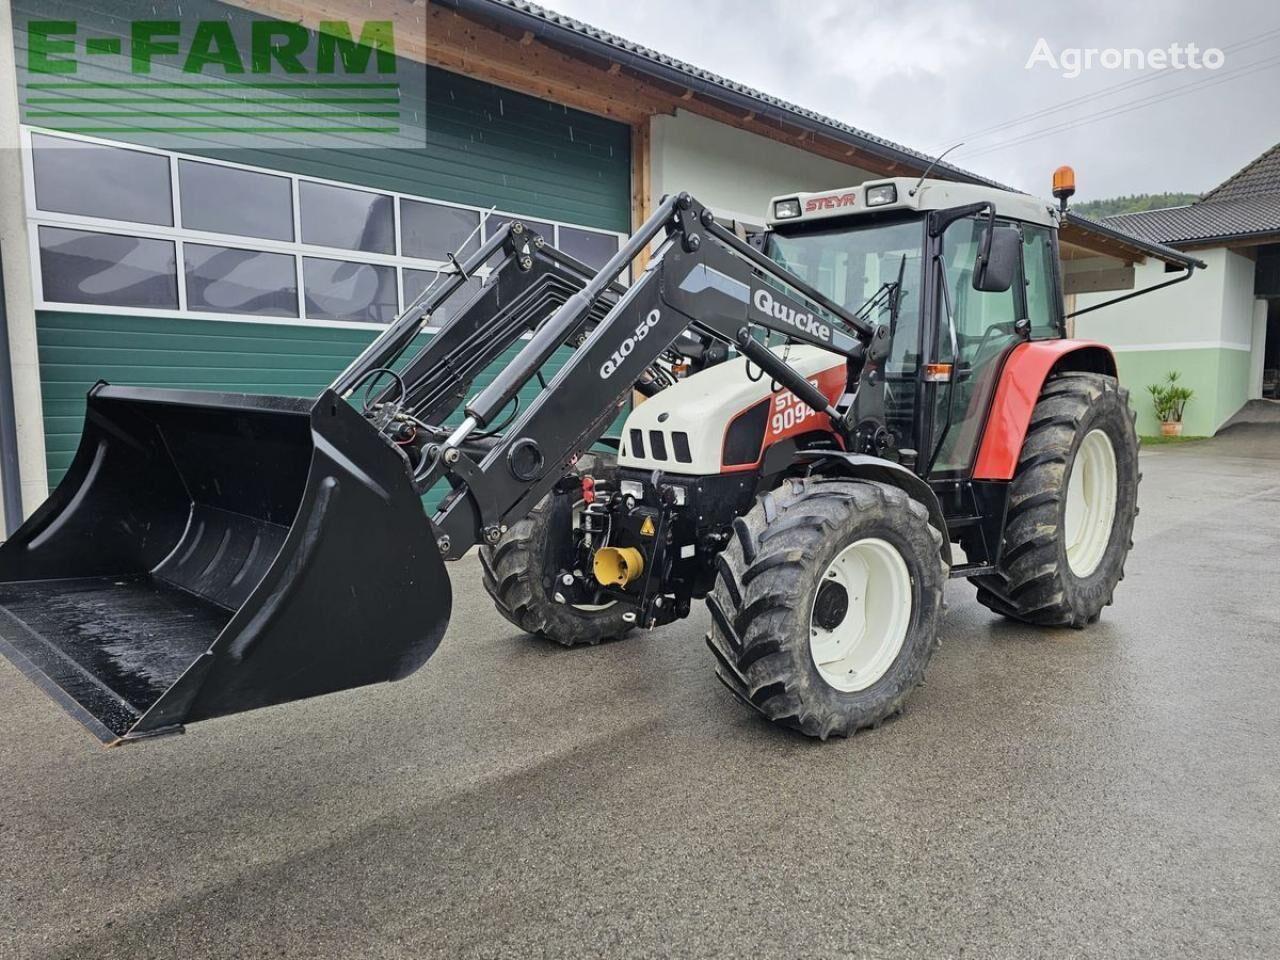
786, 209
879, 196
633, 489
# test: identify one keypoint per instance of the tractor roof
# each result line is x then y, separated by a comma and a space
895, 193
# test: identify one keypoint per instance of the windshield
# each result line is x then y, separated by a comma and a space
851, 263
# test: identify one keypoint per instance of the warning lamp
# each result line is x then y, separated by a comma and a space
1064, 185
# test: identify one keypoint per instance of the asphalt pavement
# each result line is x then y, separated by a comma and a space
1112, 793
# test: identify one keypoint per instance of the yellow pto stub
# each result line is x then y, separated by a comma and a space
617, 566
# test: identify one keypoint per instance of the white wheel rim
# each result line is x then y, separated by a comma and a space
1091, 503
858, 650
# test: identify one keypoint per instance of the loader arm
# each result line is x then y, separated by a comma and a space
701, 278
208, 554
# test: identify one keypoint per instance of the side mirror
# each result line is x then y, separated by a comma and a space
997, 261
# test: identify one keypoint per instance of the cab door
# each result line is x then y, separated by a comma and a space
985, 327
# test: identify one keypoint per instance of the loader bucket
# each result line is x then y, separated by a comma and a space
212, 553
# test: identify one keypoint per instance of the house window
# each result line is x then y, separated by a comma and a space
107, 269
239, 202
110, 183
130, 229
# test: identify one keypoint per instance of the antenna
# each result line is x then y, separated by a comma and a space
932, 163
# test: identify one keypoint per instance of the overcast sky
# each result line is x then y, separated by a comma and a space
927, 73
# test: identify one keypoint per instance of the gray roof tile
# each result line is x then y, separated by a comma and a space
1260, 176
1205, 220
1246, 203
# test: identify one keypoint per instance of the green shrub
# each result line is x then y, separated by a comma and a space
1170, 397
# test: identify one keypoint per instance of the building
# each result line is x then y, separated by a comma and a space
1221, 329
161, 251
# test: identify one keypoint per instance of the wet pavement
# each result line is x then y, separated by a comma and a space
1109, 793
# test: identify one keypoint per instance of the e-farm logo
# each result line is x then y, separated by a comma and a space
250, 75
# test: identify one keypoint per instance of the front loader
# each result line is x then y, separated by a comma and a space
902, 408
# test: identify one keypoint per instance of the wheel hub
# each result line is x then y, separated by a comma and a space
831, 606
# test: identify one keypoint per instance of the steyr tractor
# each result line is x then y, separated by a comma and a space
876, 396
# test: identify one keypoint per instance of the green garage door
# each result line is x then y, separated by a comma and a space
115, 305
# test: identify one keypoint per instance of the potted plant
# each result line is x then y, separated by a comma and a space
1169, 399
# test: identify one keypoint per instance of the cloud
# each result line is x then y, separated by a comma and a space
927, 73
873, 50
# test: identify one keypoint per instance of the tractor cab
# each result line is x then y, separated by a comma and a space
961, 274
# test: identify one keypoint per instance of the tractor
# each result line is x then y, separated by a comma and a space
812, 432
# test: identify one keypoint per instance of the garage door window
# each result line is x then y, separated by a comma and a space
250, 282
131, 230
342, 290
107, 269
433, 231
416, 281
593, 249
347, 219
110, 183
240, 202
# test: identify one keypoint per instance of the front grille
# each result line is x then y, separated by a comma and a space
680, 443
658, 444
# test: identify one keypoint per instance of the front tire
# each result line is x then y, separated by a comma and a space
825, 609
1072, 505
519, 572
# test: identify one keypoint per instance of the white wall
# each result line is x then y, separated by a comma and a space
1203, 328
1213, 308
734, 172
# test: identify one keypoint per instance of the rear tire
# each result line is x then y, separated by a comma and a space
518, 574
772, 621
1078, 472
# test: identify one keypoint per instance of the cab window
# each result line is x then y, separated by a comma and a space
1044, 310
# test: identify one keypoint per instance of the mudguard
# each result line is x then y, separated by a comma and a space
1021, 380
865, 467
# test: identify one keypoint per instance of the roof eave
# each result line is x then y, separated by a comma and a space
1259, 236
1149, 248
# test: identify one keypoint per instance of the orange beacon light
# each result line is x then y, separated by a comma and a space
1064, 185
